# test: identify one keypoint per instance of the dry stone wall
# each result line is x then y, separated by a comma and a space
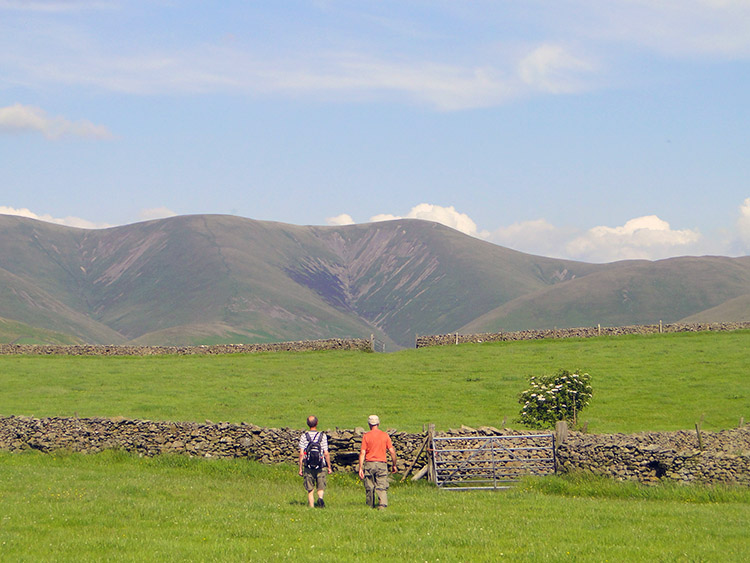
647, 457
581, 332
105, 350
212, 440
650, 456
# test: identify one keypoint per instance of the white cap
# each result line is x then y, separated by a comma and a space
373, 420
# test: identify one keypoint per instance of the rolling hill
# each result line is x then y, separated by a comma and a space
706, 289
207, 279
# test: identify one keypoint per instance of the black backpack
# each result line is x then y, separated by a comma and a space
314, 452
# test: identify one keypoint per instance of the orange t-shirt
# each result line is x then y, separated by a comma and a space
375, 444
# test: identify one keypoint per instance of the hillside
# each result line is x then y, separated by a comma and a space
633, 292
211, 278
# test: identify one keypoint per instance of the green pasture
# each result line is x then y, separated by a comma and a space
118, 507
657, 382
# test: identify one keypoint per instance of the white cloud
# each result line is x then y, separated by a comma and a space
551, 68
66, 221
469, 76
19, 119
683, 28
156, 213
535, 237
357, 76
647, 237
447, 216
563, 45
343, 219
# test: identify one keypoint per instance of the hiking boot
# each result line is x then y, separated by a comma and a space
321, 504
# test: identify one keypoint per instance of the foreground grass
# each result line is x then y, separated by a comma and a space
115, 506
658, 382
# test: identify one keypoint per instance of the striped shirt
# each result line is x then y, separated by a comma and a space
308, 437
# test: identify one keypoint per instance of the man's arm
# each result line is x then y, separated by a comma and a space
301, 457
393, 457
328, 462
361, 462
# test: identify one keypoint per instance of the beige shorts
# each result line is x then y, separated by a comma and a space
315, 478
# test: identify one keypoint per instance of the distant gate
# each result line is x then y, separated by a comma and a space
490, 462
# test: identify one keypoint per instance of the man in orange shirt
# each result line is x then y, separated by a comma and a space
373, 466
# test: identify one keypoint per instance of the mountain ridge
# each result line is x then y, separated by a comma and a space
206, 279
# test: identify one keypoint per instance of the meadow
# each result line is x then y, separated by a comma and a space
116, 506
656, 382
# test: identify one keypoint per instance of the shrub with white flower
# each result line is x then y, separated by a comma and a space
550, 398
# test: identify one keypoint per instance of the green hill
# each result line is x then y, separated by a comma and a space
213, 278
737, 309
629, 293
20, 333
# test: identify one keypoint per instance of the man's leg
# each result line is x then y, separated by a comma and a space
369, 482
309, 487
381, 485
321, 483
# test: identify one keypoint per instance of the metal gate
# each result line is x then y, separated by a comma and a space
490, 462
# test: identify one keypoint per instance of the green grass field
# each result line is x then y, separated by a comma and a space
659, 382
115, 506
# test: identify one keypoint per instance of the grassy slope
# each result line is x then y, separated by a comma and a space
116, 507
19, 333
659, 382
737, 309
415, 276
626, 293
219, 277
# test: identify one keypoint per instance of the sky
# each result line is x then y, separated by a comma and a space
594, 130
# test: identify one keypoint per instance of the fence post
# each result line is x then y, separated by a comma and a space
431, 477
561, 432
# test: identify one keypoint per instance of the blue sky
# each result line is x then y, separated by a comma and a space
587, 129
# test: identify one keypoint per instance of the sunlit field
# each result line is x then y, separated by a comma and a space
657, 382
117, 506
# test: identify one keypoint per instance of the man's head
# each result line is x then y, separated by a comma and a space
312, 421
373, 420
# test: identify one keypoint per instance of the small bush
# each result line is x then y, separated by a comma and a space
550, 398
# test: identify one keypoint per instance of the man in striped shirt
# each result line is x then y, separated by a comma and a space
315, 477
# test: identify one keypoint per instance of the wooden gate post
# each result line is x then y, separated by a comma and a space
431, 476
